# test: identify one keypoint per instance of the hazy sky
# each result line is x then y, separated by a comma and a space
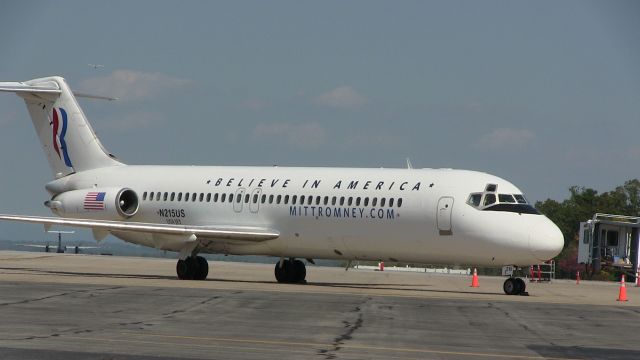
545, 94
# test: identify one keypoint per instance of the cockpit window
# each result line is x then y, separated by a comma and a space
474, 199
520, 199
506, 198
490, 201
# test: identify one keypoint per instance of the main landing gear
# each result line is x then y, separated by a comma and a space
192, 268
514, 286
290, 271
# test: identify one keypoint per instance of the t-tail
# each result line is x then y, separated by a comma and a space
67, 139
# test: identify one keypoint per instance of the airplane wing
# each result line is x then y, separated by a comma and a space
245, 233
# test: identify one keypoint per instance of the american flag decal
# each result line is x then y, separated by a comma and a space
94, 201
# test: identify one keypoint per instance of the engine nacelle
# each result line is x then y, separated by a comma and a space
96, 203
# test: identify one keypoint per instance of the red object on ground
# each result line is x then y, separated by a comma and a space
539, 274
578, 277
381, 266
474, 279
622, 294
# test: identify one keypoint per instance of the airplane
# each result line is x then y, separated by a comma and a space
61, 249
430, 216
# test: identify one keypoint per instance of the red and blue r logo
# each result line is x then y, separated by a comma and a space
59, 132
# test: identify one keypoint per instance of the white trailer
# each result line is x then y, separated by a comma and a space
610, 242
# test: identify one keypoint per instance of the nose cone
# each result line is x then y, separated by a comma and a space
545, 239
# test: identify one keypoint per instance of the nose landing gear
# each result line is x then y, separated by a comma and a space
515, 286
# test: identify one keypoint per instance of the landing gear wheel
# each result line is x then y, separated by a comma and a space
299, 271
291, 271
202, 268
283, 272
522, 286
185, 269
514, 286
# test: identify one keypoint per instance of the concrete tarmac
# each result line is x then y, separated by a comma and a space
59, 306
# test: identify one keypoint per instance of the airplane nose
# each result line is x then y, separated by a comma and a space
545, 239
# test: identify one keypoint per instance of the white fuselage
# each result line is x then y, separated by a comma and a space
428, 220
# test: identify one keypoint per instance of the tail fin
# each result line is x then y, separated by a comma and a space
67, 139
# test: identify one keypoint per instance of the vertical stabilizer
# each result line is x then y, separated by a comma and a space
68, 141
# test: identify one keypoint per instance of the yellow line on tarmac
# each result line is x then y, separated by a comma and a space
345, 346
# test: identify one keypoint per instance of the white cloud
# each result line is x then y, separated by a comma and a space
341, 97
131, 85
299, 135
505, 138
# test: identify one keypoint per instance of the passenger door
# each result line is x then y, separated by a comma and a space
445, 207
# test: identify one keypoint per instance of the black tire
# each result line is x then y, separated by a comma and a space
510, 286
299, 272
202, 268
521, 285
184, 269
283, 274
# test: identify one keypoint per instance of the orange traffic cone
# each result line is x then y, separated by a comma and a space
578, 277
474, 279
622, 295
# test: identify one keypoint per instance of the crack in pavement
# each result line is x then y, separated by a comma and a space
350, 328
26, 301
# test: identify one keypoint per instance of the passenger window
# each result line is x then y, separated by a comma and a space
333, 200
209, 197
301, 199
193, 197
215, 197
286, 199
173, 196
238, 198
326, 200
293, 199
165, 197
223, 197
255, 198
179, 196
246, 198
317, 200
341, 200
309, 200
350, 201
357, 201
230, 198
278, 198
186, 197
201, 197
391, 202
489, 199
400, 202
374, 202
264, 198
366, 201
270, 199
382, 201
151, 196
144, 196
